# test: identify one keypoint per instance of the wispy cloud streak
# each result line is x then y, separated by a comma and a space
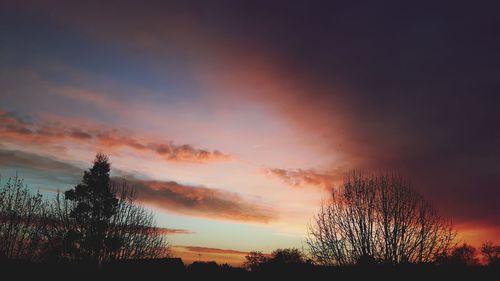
15, 129
199, 201
196, 201
198, 249
303, 178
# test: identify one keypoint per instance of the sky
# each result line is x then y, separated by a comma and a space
233, 119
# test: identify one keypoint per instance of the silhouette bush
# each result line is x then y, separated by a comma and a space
491, 254
463, 255
289, 256
255, 260
280, 259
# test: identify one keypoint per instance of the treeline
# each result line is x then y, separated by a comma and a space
376, 222
464, 255
281, 263
94, 223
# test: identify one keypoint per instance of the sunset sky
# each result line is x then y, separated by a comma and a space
233, 119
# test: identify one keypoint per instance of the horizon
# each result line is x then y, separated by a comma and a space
234, 119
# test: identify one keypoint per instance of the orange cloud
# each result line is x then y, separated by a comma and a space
302, 178
190, 254
199, 201
213, 250
15, 129
174, 231
195, 201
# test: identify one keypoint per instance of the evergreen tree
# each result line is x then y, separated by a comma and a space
94, 206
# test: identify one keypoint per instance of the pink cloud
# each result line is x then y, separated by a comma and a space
199, 201
43, 133
302, 177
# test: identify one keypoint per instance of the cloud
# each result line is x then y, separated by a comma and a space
195, 201
407, 93
385, 87
79, 134
198, 249
303, 178
190, 254
41, 167
173, 231
199, 201
91, 97
16, 130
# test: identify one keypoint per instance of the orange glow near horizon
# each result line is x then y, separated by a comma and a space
191, 254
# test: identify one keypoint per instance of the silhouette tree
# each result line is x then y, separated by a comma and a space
463, 255
290, 256
98, 222
279, 259
254, 260
95, 204
491, 254
378, 218
21, 228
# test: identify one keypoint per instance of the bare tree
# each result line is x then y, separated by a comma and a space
61, 243
380, 218
21, 230
133, 228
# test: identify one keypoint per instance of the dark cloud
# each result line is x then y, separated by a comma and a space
41, 167
411, 87
198, 200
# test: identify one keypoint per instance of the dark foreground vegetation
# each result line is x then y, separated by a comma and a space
373, 226
173, 268
95, 223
